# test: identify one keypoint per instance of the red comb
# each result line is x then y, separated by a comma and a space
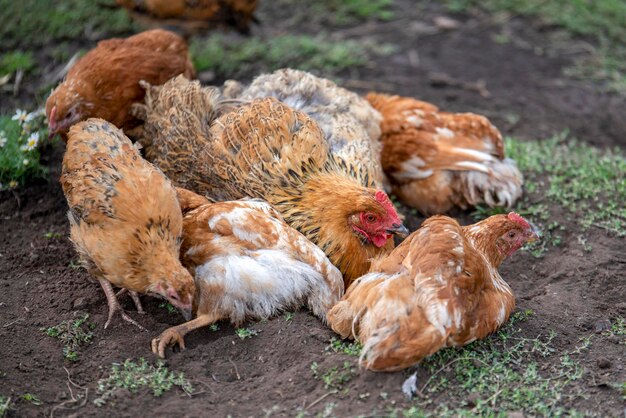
518, 219
383, 199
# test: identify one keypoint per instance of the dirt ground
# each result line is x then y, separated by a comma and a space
572, 292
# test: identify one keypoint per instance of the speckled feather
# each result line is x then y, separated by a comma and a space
436, 160
350, 124
263, 149
125, 219
439, 288
249, 264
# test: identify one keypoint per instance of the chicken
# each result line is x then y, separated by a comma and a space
439, 288
248, 264
125, 220
436, 160
350, 124
267, 150
198, 13
105, 82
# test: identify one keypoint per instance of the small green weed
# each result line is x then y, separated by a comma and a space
52, 235
5, 405
351, 348
334, 378
237, 57
618, 328
16, 60
132, 376
32, 398
72, 335
244, 333
214, 327
19, 156
501, 373
590, 184
289, 316
170, 308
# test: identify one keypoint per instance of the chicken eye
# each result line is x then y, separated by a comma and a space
512, 234
370, 218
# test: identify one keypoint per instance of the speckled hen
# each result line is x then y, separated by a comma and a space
248, 264
267, 150
125, 220
439, 288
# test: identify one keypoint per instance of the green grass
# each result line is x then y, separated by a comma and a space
16, 60
334, 378
32, 398
351, 348
169, 307
604, 21
5, 405
237, 57
589, 184
19, 154
35, 23
343, 12
244, 333
72, 335
502, 373
131, 376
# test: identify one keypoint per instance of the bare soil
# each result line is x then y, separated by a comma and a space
571, 292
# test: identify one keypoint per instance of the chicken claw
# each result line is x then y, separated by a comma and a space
170, 336
114, 305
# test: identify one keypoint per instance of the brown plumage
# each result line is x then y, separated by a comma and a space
248, 264
267, 150
350, 124
194, 13
439, 288
125, 220
436, 160
105, 82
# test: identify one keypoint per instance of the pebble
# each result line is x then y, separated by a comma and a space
80, 303
603, 363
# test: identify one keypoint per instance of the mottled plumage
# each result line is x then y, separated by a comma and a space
267, 150
105, 82
439, 288
124, 216
248, 264
436, 160
349, 123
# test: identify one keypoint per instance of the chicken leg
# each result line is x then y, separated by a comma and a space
176, 335
114, 305
135, 297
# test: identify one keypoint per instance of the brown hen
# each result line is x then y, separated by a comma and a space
195, 13
439, 288
105, 82
436, 160
248, 264
267, 150
125, 220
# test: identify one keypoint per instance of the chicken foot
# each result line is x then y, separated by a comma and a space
176, 335
135, 297
114, 305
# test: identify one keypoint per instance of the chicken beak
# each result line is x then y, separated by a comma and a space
399, 230
535, 233
186, 313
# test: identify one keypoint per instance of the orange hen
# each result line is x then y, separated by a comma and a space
199, 13
105, 82
439, 288
125, 219
248, 264
436, 160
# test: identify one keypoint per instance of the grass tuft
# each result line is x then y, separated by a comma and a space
131, 376
72, 335
587, 182
244, 333
5, 405
16, 60
334, 378
351, 348
237, 57
499, 374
